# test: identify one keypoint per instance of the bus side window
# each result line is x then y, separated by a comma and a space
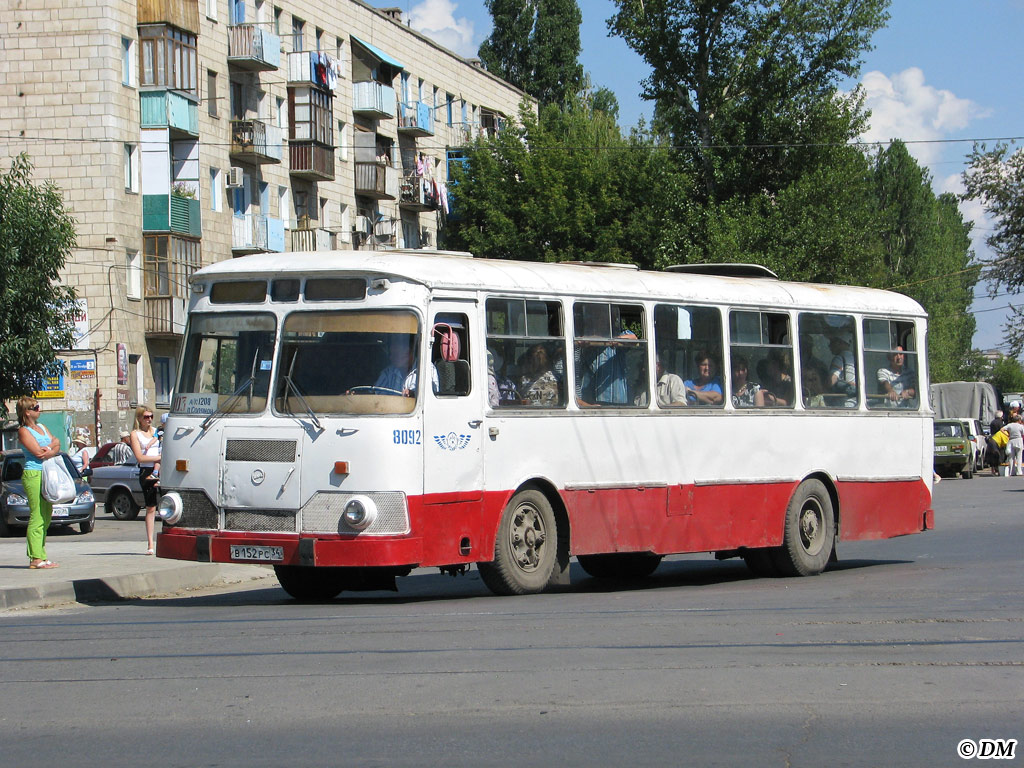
829, 363
682, 334
762, 360
450, 354
891, 364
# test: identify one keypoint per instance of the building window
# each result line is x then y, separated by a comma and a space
168, 57
297, 26
211, 10
319, 40
169, 262
216, 189
345, 230
343, 140
133, 263
310, 115
277, 21
282, 205
127, 61
449, 103
134, 380
131, 168
211, 93
163, 378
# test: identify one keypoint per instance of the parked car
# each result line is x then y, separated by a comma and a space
117, 488
102, 457
953, 449
976, 434
14, 510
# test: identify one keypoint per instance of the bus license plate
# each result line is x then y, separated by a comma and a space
941, 448
248, 552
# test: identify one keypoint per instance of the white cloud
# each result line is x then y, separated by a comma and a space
972, 211
903, 106
437, 20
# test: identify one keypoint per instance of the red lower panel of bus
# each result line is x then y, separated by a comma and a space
461, 528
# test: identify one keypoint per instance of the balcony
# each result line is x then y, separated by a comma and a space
373, 99
254, 233
310, 160
417, 120
311, 68
416, 193
377, 180
165, 316
183, 14
312, 240
252, 48
168, 109
256, 142
171, 213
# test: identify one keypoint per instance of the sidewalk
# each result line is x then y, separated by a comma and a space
98, 571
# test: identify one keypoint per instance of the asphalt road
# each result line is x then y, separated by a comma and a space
893, 657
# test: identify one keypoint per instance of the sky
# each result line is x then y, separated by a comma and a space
942, 74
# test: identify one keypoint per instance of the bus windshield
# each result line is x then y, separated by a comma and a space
227, 363
348, 362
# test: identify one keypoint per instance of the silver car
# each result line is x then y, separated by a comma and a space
117, 488
14, 510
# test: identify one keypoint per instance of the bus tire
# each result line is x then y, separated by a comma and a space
809, 533
621, 565
307, 583
761, 562
526, 547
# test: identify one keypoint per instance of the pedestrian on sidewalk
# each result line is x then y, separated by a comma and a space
121, 453
146, 447
38, 445
1015, 448
78, 453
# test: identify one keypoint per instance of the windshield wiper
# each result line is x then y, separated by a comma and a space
249, 384
289, 384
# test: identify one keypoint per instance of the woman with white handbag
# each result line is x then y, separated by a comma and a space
38, 445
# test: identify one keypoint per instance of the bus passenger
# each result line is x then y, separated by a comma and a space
812, 385
706, 389
896, 382
670, 391
842, 373
745, 393
777, 378
601, 374
537, 384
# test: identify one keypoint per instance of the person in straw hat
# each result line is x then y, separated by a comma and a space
78, 453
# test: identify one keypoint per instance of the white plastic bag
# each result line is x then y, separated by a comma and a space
58, 486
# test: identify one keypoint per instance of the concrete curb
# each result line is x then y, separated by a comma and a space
166, 581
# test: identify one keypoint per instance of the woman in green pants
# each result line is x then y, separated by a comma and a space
38, 445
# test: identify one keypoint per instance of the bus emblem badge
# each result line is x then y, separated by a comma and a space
452, 442
257, 476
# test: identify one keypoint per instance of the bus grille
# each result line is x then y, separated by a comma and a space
266, 520
322, 514
197, 510
260, 450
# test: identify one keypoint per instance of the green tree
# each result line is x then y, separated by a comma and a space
507, 52
1007, 375
36, 311
996, 178
557, 73
746, 88
927, 253
563, 186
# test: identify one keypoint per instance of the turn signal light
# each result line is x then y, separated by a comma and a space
181, 465
341, 467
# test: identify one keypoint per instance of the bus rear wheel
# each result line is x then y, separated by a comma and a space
310, 584
620, 565
810, 531
526, 547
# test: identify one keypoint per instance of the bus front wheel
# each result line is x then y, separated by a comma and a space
308, 583
809, 533
526, 547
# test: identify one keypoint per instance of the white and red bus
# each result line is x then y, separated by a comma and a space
349, 416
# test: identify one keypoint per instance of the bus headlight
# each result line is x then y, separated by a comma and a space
360, 512
170, 508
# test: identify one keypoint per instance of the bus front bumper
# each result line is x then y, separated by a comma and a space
245, 548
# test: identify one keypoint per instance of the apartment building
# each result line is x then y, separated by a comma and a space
184, 132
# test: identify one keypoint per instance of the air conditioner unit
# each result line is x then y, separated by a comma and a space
362, 225
236, 178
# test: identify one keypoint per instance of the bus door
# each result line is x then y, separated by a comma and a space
453, 429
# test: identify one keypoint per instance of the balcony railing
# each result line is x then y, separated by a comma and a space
254, 233
312, 68
312, 240
310, 160
253, 48
417, 193
373, 99
417, 119
256, 141
171, 213
377, 180
167, 109
165, 316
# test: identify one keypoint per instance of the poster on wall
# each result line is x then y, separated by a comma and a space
50, 387
122, 365
83, 369
122, 400
81, 325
